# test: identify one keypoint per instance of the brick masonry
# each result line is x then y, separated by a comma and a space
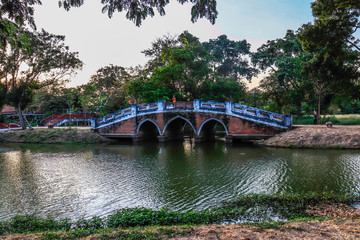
234, 125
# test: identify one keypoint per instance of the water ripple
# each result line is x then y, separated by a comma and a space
83, 182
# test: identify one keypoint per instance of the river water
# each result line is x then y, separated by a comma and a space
85, 181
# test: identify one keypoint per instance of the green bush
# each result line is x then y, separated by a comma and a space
28, 223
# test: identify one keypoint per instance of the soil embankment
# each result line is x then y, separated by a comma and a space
55, 135
341, 137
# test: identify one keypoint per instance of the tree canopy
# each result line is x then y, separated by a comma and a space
284, 59
190, 69
13, 14
336, 24
139, 10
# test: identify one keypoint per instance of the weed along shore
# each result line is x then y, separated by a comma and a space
55, 135
286, 216
337, 137
304, 136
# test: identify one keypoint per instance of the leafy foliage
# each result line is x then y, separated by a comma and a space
229, 58
105, 91
49, 63
189, 69
14, 14
284, 59
139, 10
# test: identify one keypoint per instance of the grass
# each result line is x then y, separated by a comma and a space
353, 119
58, 135
134, 223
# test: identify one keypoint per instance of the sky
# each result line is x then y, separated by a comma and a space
102, 41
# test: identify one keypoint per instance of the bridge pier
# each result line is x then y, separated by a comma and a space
228, 139
137, 138
162, 138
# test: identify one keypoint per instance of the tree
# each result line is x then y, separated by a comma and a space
333, 41
49, 63
230, 58
54, 99
150, 90
336, 24
178, 67
189, 69
330, 75
139, 10
284, 59
105, 92
222, 90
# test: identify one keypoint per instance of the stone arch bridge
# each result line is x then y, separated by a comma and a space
169, 121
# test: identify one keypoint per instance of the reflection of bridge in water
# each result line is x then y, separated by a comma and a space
199, 119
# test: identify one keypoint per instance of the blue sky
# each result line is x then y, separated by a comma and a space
101, 41
262, 19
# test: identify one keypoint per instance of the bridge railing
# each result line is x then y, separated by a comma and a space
212, 106
116, 116
148, 107
262, 115
236, 109
179, 105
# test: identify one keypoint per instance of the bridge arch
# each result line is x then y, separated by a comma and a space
213, 119
176, 128
209, 133
148, 129
177, 117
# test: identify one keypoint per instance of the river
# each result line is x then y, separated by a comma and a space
81, 181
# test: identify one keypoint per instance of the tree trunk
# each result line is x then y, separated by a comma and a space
21, 118
298, 110
319, 109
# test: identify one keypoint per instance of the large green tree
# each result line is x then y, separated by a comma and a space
230, 59
49, 62
333, 41
285, 60
106, 90
336, 24
177, 67
190, 69
331, 76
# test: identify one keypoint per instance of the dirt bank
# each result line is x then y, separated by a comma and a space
55, 135
316, 137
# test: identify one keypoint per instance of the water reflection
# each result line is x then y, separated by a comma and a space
83, 181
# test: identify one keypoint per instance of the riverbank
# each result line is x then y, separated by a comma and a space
305, 216
54, 135
330, 229
314, 136
301, 136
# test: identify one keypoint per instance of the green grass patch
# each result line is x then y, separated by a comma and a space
259, 210
353, 119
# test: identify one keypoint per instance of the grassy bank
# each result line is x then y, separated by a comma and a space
353, 119
137, 223
55, 135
